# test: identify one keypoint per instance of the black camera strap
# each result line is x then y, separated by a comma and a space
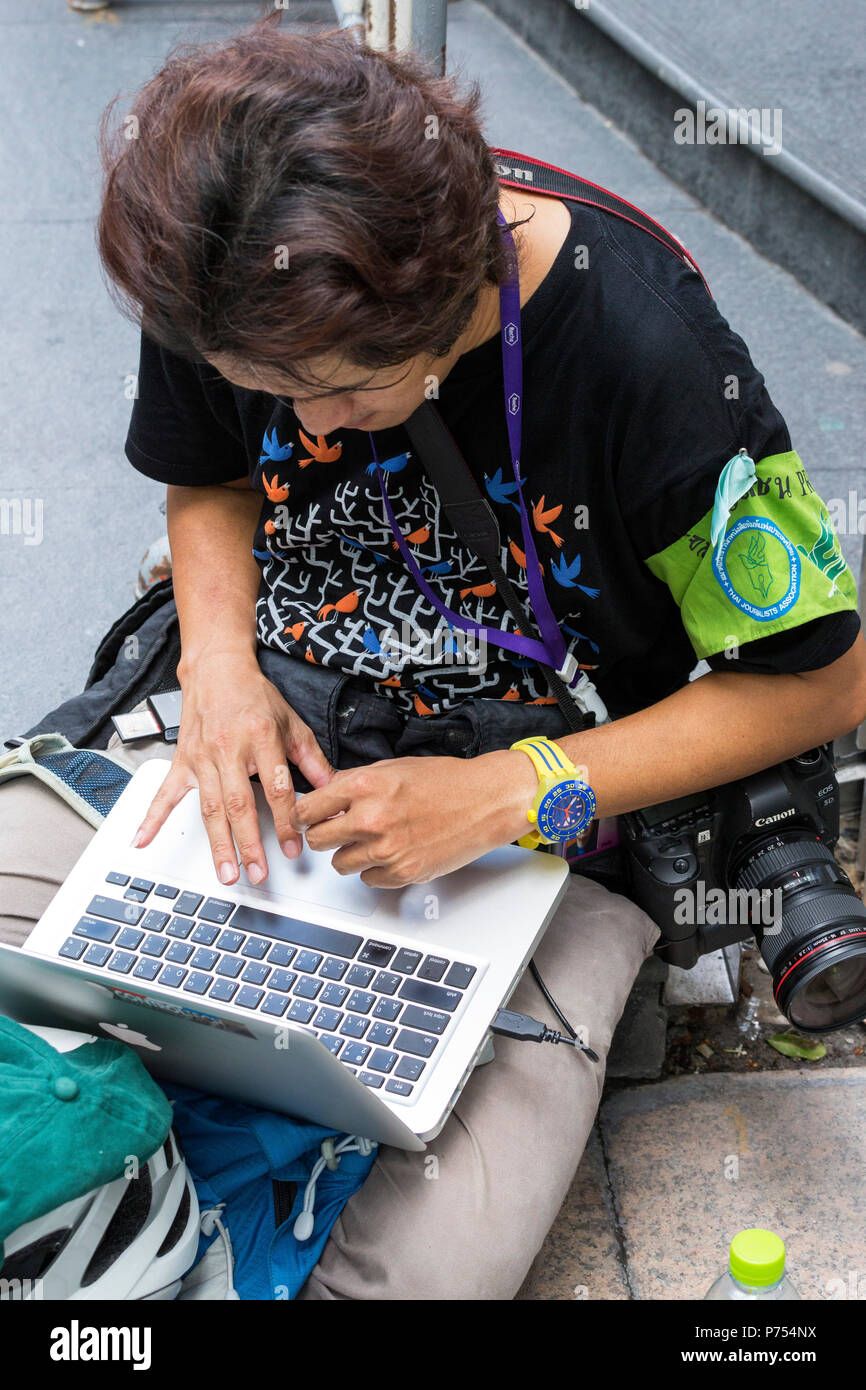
476, 526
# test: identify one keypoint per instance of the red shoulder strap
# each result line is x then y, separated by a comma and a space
521, 171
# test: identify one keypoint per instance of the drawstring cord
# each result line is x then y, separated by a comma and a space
329, 1158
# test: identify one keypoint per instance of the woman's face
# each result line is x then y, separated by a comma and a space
354, 398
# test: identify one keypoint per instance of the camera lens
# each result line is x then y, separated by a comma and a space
815, 944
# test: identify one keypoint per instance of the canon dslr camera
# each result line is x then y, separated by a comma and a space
754, 858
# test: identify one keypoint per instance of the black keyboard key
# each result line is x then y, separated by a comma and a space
370, 1078
275, 1004
308, 961
354, 1027
328, 1019
360, 976
173, 976
425, 1020
256, 973
204, 959
198, 982
432, 996
229, 940
248, 997
180, 926
382, 1060
205, 934
223, 991
129, 938
332, 1043
120, 880
360, 1001
135, 895
307, 987
325, 939
165, 890
381, 1033
147, 969
406, 961
73, 948
333, 994
301, 1010
387, 1009
377, 952
188, 904
230, 966
355, 1054
386, 982
143, 885
280, 954
153, 920
410, 1068
95, 930
179, 952
96, 955
122, 962
419, 1044
333, 968
434, 968
459, 976
154, 945
217, 910
129, 914
399, 1088
282, 980
256, 948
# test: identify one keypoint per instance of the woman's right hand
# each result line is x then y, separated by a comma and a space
235, 722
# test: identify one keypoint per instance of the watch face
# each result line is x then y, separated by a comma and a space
566, 810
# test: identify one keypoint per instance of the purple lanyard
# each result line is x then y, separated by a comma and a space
551, 650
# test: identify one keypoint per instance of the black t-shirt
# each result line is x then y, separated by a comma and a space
636, 394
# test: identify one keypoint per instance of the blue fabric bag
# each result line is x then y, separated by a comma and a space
234, 1153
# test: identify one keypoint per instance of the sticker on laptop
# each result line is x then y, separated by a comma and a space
230, 1025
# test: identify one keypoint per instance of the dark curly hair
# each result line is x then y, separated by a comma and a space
282, 196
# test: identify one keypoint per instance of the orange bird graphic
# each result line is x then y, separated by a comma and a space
520, 557
392, 680
511, 694
320, 451
308, 656
347, 604
277, 491
415, 537
297, 630
270, 528
420, 707
543, 700
479, 591
542, 519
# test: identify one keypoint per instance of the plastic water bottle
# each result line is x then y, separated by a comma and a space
756, 1269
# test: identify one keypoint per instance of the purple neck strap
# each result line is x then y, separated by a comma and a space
551, 650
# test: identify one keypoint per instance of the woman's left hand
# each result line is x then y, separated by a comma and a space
407, 820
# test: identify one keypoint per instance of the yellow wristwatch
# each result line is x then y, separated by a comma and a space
564, 805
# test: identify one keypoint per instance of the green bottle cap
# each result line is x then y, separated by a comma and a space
757, 1258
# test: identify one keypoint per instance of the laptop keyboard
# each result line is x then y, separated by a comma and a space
380, 1008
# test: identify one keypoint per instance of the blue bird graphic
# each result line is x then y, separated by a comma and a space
273, 449
443, 567
371, 641
572, 632
500, 491
359, 545
263, 554
566, 575
392, 465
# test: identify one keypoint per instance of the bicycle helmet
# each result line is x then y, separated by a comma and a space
129, 1239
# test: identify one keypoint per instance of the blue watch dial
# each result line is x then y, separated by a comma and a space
566, 810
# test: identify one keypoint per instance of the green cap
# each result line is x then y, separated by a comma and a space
69, 1121
757, 1257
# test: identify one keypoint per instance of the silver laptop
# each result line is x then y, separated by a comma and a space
314, 995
